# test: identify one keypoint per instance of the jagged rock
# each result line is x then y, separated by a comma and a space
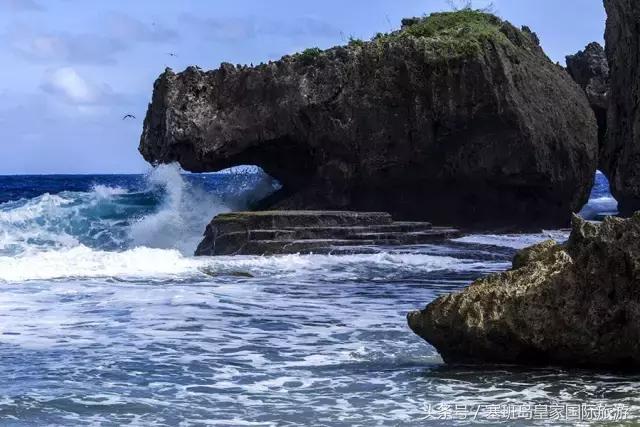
457, 118
590, 69
622, 150
282, 232
573, 304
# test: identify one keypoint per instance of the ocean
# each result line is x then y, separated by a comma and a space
106, 318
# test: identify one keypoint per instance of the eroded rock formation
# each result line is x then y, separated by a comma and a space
621, 155
458, 118
590, 69
576, 304
285, 232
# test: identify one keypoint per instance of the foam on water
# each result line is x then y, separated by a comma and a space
515, 241
166, 212
81, 262
108, 320
182, 216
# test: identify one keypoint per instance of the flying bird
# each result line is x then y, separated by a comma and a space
128, 116
172, 54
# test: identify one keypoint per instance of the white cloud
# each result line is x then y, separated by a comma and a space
72, 88
62, 47
41, 46
114, 34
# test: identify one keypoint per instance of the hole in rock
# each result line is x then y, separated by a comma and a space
601, 202
243, 187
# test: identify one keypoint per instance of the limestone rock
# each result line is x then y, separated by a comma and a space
622, 150
457, 118
590, 69
573, 304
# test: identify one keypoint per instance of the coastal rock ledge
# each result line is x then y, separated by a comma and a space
575, 304
458, 118
287, 232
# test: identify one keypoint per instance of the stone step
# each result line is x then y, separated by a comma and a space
318, 246
242, 221
303, 233
341, 232
271, 235
411, 238
260, 241
258, 233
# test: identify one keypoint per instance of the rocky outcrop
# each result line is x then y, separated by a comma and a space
286, 232
590, 69
457, 118
621, 155
575, 304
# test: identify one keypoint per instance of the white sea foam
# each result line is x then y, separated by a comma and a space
27, 223
105, 191
149, 336
148, 263
112, 218
515, 241
83, 262
182, 217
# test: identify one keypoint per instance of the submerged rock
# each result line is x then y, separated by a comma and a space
573, 304
286, 232
622, 150
590, 69
456, 118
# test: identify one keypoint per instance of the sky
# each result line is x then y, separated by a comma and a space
73, 68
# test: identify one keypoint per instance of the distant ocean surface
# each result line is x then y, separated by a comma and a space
106, 318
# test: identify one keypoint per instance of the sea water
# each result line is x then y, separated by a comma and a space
106, 318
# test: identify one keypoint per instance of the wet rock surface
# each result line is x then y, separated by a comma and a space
573, 304
282, 232
457, 118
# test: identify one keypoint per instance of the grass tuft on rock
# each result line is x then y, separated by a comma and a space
466, 23
445, 35
309, 55
461, 32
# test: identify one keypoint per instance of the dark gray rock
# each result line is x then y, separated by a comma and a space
590, 69
576, 304
457, 118
621, 154
282, 232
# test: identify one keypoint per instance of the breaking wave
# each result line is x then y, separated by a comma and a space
158, 220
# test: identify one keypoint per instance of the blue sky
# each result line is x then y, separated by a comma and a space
72, 68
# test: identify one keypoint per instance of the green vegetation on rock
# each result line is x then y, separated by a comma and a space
355, 42
444, 34
462, 32
309, 55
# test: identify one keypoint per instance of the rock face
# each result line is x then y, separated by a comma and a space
622, 151
282, 232
590, 69
457, 118
576, 304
